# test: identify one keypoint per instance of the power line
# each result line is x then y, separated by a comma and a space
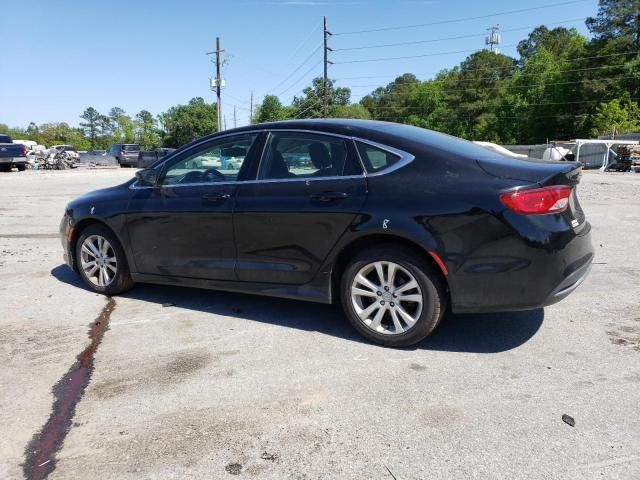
309, 37
297, 69
386, 107
507, 87
300, 78
464, 19
317, 102
434, 54
497, 69
458, 37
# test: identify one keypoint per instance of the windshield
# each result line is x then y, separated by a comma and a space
131, 148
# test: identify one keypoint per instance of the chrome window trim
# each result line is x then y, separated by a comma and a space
405, 159
313, 132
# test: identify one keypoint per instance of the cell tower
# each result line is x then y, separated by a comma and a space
493, 38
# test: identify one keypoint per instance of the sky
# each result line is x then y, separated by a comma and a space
64, 56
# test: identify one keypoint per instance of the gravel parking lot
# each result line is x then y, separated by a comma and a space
198, 384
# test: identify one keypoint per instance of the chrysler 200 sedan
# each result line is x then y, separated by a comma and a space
395, 222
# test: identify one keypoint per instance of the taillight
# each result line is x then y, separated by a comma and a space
537, 201
121, 152
24, 150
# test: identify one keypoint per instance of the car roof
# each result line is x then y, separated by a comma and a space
400, 136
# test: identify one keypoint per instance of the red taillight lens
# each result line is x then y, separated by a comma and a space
537, 201
24, 150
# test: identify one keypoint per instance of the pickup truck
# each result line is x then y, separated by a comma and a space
12, 154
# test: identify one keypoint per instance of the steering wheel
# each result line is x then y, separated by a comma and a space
213, 175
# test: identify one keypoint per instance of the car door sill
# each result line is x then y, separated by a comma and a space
316, 291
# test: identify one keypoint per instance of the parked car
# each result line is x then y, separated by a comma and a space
93, 151
12, 154
147, 158
71, 153
395, 222
126, 154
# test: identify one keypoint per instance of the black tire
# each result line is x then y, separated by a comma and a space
21, 168
120, 163
122, 280
428, 278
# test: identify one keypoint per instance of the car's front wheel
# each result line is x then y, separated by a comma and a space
391, 297
101, 261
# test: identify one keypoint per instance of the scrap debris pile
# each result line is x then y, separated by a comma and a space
54, 158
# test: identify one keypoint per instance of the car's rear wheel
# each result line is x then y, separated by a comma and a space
21, 167
101, 261
391, 297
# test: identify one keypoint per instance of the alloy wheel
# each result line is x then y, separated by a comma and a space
386, 297
98, 260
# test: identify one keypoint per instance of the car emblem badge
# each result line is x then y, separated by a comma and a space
4, 149
574, 223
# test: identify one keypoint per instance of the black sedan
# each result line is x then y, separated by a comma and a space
395, 222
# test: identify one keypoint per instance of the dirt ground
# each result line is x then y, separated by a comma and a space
217, 384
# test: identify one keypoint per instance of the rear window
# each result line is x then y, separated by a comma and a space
5, 139
131, 148
376, 159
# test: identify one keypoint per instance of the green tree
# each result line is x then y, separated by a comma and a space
618, 21
391, 103
91, 124
558, 41
349, 111
309, 105
270, 110
474, 92
184, 123
147, 130
616, 116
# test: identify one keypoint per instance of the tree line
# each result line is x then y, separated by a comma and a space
563, 85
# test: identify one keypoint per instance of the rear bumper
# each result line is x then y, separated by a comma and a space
534, 275
13, 160
132, 161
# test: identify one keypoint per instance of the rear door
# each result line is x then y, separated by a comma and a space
309, 189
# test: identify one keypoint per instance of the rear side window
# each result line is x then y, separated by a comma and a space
376, 159
5, 139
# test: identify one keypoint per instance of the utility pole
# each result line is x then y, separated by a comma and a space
218, 82
235, 125
251, 110
327, 49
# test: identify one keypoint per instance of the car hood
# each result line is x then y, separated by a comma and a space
109, 194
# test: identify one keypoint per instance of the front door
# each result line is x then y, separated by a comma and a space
184, 227
309, 189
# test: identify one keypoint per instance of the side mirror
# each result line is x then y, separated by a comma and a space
148, 176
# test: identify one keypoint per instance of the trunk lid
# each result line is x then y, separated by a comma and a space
533, 171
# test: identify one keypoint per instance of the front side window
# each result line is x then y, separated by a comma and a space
375, 159
219, 161
291, 155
